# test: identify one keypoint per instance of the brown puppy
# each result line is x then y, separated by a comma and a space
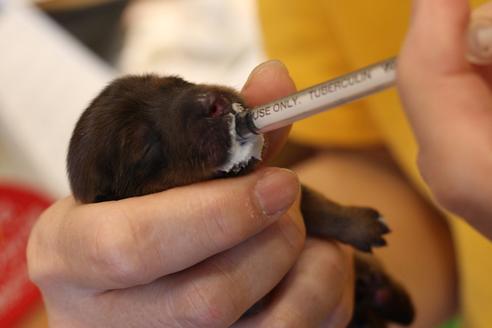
145, 134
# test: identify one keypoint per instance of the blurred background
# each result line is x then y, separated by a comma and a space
55, 56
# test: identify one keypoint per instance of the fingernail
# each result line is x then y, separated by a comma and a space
480, 41
260, 69
276, 190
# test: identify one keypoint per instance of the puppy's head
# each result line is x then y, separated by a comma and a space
145, 134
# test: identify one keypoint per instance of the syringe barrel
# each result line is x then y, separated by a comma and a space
321, 97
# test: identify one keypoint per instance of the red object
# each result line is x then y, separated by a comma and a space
19, 209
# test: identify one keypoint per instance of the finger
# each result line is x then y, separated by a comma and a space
448, 101
137, 240
479, 35
320, 286
437, 30
269, 81
435, 80
217, 292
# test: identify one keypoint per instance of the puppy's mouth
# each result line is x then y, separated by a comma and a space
243, 150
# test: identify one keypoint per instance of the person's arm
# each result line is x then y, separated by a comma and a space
448, 101
194, 256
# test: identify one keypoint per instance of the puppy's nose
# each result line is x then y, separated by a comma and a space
216, 104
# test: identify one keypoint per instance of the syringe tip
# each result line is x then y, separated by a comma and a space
244, 125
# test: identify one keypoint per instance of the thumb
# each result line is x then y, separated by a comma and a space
480, 35
268, 82
437, 33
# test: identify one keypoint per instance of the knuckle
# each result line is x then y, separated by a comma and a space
38, 273
201, 304
215, 222
293, 232
250, 216
199, 307
228, 218
115, 251
42, 268
232, 280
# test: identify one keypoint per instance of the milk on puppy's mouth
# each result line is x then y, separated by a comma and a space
243, 149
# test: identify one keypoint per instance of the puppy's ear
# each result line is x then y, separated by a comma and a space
127, 167
145, 154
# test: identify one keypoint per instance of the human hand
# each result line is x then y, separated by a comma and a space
199, 255
448, 101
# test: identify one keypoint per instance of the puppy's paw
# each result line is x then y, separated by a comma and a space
365, 229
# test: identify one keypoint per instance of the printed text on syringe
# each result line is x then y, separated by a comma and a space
319, 91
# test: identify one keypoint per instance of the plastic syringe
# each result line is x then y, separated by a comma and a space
316, 99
